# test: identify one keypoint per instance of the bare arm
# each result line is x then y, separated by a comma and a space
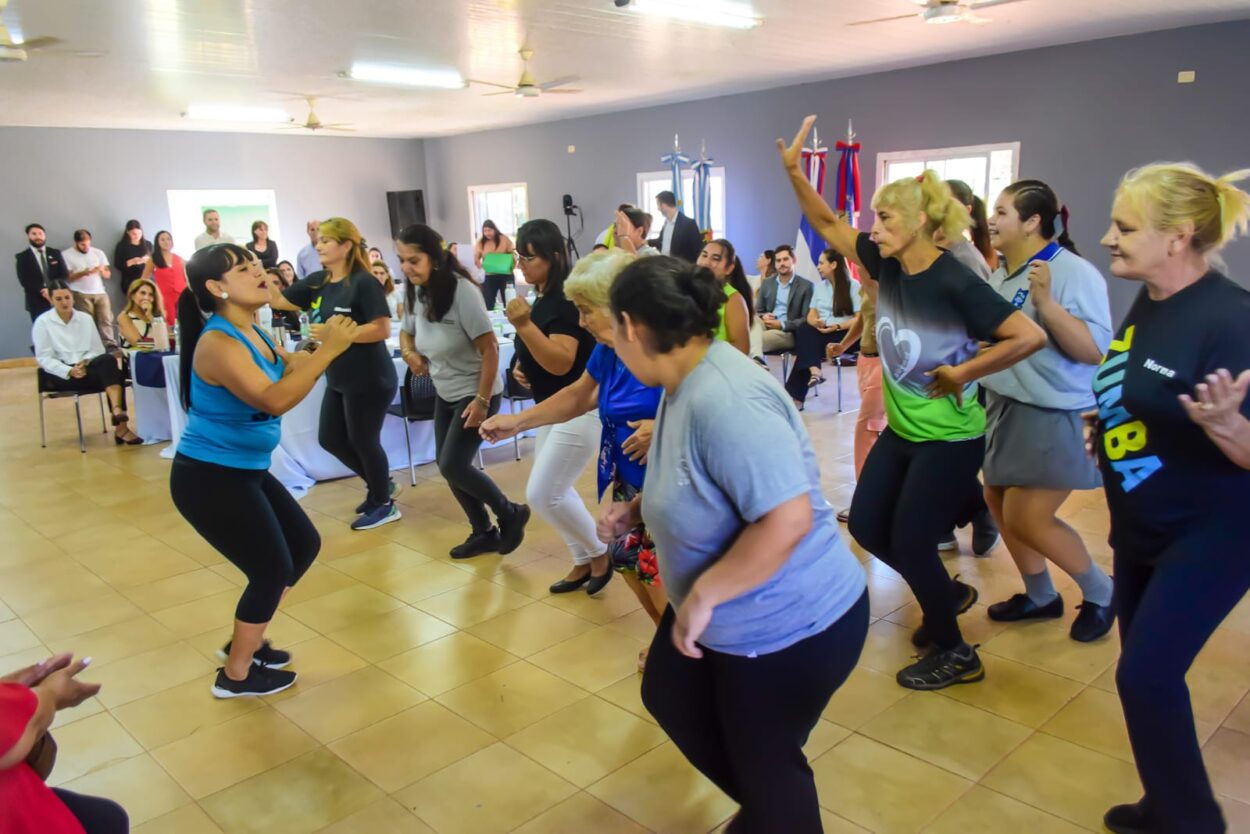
555, 353
1216, 407
378, 330
1016, 338
836, 231
488, 346
737, 326
278, 301
569, 402
128, 330
148, 268
39, 723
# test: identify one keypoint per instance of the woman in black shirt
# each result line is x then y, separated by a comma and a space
132, 254
361, 383
262, 247
551, 353
1173, 440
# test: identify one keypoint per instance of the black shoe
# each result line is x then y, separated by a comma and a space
1128, 819
260, 680
1093, 622
984, 533
365, 506
266, 655
565, 586
598, 583
965, 597
512, 527
477, 544
948, 543
942, 669
1022, 607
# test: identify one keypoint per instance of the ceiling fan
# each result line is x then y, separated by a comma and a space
943, 11
526, 86
13, 51
314, 124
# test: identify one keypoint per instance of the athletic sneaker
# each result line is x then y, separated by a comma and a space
1128, 819
942, 669
477, 544
1093, 622
948, 542
965, 597
1022, 607
378, 516
396, 489
985, 535
260, 680
266, 655
512, 527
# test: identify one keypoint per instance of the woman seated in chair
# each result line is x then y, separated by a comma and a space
143, 317
834, 305
71, 358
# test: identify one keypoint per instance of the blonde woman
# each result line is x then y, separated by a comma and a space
361, 383
382, 272
143, 310
932, 312
1173, 442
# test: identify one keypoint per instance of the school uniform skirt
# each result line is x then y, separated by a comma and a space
1030, 446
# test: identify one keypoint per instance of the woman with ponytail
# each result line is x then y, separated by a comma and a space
362, 384
1034, 454
768, 608
834, 305
737, 313
932, 314
236, 385
1172, 436
974, 248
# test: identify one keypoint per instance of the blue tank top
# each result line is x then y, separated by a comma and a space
221, 428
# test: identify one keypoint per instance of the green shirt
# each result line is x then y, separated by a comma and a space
721, 333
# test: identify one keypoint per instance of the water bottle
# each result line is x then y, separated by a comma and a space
265, 314
177, 341
305, 326
160, 334
509, 292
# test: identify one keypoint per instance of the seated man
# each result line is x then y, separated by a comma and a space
71, 357
784, 300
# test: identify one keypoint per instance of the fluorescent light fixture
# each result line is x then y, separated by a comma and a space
728, 13
236, 113
443, 79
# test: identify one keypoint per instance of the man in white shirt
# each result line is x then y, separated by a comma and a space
307, 261
88, 269
212, 231
71, 357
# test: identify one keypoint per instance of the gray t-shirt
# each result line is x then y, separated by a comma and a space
971, 257
455, 364
728, 447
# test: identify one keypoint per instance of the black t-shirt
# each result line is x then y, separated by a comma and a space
1163, 475
360, 296
125, 251
554, 315
268, 258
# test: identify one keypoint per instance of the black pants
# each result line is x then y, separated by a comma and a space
493, 287
95, 814
743, 721
910, 495
102, 372
351, 430
251, 519
1169, 603
455, 448
809, 352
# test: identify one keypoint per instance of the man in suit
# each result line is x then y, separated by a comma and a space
680, 236
38, 266
783, 302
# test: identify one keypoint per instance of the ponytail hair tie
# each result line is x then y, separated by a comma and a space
1061, 221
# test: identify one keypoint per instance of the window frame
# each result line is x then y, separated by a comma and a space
884, 158
667, 175
475, 223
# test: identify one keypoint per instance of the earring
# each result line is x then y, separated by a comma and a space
225, 296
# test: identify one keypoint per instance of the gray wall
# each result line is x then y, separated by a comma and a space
1085, 113
97, 179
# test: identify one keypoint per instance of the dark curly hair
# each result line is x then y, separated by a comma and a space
676, 300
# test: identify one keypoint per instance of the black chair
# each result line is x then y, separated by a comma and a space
45, 394
416, 404
786, 355
514, 392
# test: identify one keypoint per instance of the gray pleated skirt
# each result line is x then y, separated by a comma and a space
1028, 446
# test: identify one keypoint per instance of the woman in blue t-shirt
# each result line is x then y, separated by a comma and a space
236, 384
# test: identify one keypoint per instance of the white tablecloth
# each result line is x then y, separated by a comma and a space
148, 409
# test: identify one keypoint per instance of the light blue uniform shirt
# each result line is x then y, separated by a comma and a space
783, 299
822, 302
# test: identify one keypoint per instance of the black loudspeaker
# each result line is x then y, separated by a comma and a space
405, 209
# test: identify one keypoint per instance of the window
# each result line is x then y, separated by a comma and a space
238, 209
506, 204
653, 182
987, 169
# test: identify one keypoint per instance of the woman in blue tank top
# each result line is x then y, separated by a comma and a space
236, 384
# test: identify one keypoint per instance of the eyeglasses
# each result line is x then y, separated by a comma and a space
526, 259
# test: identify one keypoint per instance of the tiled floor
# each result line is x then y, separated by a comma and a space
444, 697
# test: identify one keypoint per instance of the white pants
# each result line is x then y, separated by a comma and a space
561, 455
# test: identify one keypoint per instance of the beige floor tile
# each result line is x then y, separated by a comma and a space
627, 694
90, 745
1046, 645
6, 613
473, 603
301, 796
886, 594
349, 703
139, 562
882, 789
664, 793
385, 816
865, 694
1065, 780
511, 699
587, 740
138, 784
342, 608
179, 712
592, 660
391, 633
147, 673
532, 578
444, 664
15, 636
89, 707
189, 819
833, 824
637, 624
493, 790
612, 603
64, 621
178, 590
1017, 692
984, 810
422, 582
1220, 676
581, 813
1095, 720
117, 641
1237, 815
1239, 718
32, 587
282, 632
1227, 755
887, 648
198, 616
974, 624
219, 756
409, 746
370, 566
824, 736
530, 629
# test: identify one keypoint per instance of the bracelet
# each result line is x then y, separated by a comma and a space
483, 400
406, 352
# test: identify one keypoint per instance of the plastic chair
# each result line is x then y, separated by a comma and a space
514, 392
416, 404
45, 394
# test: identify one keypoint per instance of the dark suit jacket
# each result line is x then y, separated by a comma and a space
687, 240
796, 308
30, 276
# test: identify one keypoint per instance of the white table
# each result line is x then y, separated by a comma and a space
148, 409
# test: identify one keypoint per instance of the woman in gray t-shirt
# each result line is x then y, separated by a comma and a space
768, 608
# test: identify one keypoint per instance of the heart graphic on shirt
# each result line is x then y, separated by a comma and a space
900, 350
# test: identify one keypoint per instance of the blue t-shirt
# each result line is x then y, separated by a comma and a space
728, 448
622, 399
221, 428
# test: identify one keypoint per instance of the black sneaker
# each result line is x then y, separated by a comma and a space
378, 516
1128, 819
266, 655
512, 527
965, 597
1093, 622
260, 680
365, 506
477, 544
942, 669
1022, 607
984, 533
948, 543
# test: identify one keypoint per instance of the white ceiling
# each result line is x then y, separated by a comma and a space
162, 55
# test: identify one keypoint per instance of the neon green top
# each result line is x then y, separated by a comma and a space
721, 332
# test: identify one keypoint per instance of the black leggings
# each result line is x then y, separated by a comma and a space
743, 721
102, 372
1169, 603
809, 352
251, 519
455, 448
493, 286
910, 495
95, 814
351, 430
